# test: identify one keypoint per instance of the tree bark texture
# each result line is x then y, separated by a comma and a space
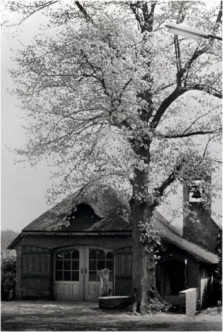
147, 298
143, 278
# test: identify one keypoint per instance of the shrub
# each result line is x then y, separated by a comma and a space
8, 273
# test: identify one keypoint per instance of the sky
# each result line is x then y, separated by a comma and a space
23, 189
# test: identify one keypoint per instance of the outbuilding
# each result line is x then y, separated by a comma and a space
60, 253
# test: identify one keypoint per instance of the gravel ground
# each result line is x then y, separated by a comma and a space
86, 316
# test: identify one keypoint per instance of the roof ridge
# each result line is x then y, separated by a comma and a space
166, 223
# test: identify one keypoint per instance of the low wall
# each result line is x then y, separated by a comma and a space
188, 301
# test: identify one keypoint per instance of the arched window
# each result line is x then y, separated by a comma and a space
99, 260
67, 265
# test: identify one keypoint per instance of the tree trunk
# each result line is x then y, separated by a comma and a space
143, 261
141, 275
147, 298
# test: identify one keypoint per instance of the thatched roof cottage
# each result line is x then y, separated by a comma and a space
60, 252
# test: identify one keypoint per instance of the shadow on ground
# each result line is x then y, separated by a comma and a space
86, 316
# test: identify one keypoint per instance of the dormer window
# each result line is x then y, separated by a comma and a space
81, 218
83, 213
195, 192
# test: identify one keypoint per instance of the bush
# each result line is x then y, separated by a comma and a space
8, 273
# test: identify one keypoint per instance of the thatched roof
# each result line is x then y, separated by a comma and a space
191, 248
113, 212
112, 209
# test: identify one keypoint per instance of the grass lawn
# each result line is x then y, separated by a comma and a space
86, 316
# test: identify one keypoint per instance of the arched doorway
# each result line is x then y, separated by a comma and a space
76, 272
173, 280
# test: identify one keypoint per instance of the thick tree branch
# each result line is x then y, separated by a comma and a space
194, 133
218, 20
165, 104
149, 17
136, 13
158, 192
179, 91
83, 11
144, 17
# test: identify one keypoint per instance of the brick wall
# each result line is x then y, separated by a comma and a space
192, 273
188, 301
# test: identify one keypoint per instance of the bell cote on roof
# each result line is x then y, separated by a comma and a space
198, 226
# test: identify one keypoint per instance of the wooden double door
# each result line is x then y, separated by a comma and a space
76, 272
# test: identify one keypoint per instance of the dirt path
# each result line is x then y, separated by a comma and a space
86, 316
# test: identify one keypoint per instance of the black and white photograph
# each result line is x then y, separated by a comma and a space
111, 165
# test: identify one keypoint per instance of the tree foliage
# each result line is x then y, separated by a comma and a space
112, 97
8, 273
7, 236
